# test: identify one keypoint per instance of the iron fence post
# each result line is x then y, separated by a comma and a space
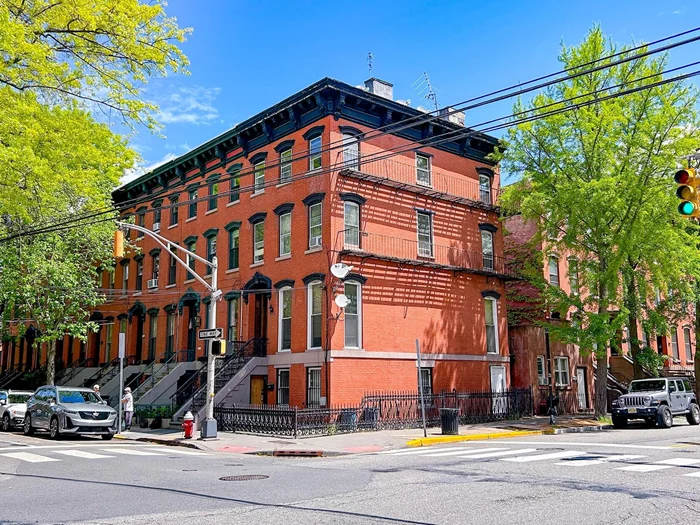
296, 422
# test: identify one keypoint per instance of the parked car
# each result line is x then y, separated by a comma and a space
656, 401
69, 411
13, 405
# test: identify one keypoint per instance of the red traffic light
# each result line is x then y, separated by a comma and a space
684, 176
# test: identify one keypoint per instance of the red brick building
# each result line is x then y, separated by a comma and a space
279, 199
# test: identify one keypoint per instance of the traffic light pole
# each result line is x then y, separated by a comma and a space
208, 427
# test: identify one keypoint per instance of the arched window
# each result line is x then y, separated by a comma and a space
688, 344
285, 319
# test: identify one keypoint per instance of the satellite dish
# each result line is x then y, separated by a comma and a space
342, 300
340, 270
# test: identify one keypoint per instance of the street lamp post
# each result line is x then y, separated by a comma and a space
209, 426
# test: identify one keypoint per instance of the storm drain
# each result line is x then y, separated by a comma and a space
249, 477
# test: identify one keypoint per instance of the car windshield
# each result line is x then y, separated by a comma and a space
19, 398
651, 385
77, 396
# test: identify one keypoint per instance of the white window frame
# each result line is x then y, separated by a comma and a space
170, 332
358, 315
108, 342
487, 258
351, 151
125, 277
559, 370
430, 252
316, 240
352, 231
428, 171
541, 377
688, 344
674, 345
232, 319
258, 242
485, 189
573, 276
494, 311
549, 271
153, 336
426, 377
286, 166
285, 235
315, 153
259, 177
310, 314
280, 323
315, 370
280, 371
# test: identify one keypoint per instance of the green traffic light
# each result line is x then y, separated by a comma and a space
686, 208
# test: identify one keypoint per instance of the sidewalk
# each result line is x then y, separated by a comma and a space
364, 442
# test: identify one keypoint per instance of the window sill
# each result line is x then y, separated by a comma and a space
315, 249
170, 285
138, 293
123, 296
188, 281
314, 349
283, 257
284, 351
209, 212
355, 348
255, 265
283, 184
173, 226
228, 205
257, 194
232, 270
191, 219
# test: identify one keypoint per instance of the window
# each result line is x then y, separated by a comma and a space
351, 151
485, 189
172, 270
141, 221
232, 325
191, 246
573, 276
315, 230
211, 251
353, 319
258, 241
285, 234
561, 371
156, 218
193, 204
286, 166
315, 308
425, 234
487, 249
259, 177
233, 240
213, 192
283, 386
315, 153
553, 271
170, 335
139, 274
541, 371
313, 387
352, 225
125, 277
156, 266
234, 193
426, 379
108, 342
423, 175
674, 344
285, 323
174, 211
688, 345
152, 334
491, 307
645, 340
111, 282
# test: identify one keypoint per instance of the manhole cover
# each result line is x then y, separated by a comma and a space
249, 477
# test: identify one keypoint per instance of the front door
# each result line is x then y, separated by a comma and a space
257, 390
498, 387
260, 319
139, 338
191, 333
581, 388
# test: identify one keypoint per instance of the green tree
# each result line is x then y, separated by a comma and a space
596, 180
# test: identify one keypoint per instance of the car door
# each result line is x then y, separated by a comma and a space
34, 408
674, 396
683, 393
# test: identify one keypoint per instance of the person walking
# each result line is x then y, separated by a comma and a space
128, 404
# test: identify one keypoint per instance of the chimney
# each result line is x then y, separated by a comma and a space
456, 117
380, 88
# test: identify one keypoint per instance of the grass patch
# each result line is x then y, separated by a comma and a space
606, 420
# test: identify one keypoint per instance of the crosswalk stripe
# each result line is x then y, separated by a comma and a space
178, 450
82, 454
131, 452
679, 462
406, 451
30, 458
542, 457
693, 475
499, 454
457, 452
597, 460
644, 468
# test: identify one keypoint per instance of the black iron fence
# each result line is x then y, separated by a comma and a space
379, 411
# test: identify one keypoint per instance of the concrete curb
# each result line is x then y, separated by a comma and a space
168, 442
426, 442
578, 430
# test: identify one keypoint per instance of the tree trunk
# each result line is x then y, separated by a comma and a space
601, 385
51, 362
631, 303
696, 358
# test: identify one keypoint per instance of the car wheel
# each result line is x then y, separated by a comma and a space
107, 437
6, 423
619, 421
664, 418
693, 414
27, 429
54, 430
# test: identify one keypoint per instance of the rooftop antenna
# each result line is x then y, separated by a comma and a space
370, 58
425, 88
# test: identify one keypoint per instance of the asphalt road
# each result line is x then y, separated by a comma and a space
637, 475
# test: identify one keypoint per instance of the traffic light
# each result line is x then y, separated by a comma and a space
218, 347
118, 244
687, 191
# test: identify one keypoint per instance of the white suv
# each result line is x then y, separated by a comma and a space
12, 409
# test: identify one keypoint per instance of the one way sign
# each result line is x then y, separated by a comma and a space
211, 333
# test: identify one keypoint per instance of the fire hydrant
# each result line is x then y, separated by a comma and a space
188, 425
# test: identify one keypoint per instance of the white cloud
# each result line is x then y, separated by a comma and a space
189, 105
139, 169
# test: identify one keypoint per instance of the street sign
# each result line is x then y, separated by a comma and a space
211, 333
122, 345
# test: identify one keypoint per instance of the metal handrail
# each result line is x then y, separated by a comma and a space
10, 374
172, 359
150, 366
73, 370
97, 376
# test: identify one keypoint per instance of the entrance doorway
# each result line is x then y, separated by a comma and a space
581, 388
260, 316
498, 387
257, 390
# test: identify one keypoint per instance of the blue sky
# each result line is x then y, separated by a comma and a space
246, 56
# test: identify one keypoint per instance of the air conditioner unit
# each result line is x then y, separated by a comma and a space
315, 241
156, 226
152, 284
542, 381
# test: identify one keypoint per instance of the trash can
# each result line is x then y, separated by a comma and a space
348, 420
370, 417
449, 421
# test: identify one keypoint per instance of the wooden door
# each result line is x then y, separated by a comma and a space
257, 390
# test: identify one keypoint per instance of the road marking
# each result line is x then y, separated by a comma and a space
461, 450
644, 468
597, 461
178, 450
574, 444
693, 475
131, 452
498, 454
82, 454
71, 445
31, 458
679, 462
542, 457
423, 450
